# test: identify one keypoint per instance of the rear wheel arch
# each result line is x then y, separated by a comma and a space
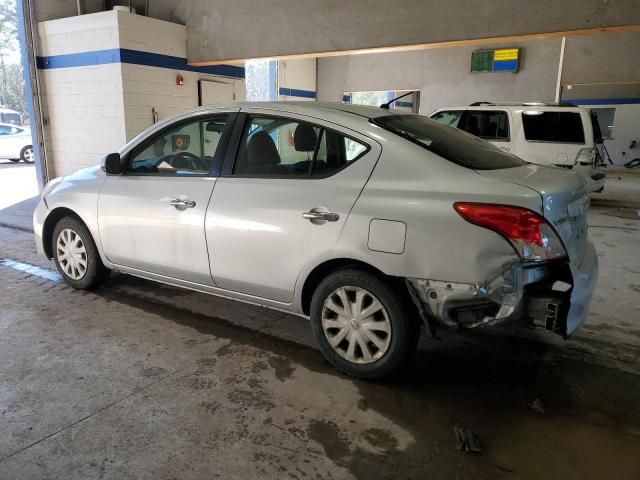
321, 271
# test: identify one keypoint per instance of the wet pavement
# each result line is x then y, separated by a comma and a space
138, 380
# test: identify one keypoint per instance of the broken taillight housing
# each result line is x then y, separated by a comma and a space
529, 233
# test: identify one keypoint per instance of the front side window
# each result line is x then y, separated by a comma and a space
285, 147
558, 127
188, 148
449, 143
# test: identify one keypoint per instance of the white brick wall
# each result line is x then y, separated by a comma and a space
146, 88
84, 33
146, 34
85, 115
299, 74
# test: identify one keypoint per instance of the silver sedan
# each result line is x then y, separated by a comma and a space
372, 223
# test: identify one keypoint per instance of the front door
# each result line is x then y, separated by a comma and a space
284, 202
152, 217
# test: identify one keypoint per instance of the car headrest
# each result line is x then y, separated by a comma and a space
262, 151
304, 138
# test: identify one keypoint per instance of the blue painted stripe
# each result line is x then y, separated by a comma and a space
134, 57
505, 65
81, 59
32, 269
603, 101
296, 92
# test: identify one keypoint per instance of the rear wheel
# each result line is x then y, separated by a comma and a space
27, 155
76, 255
362, 324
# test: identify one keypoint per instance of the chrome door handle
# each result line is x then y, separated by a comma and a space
328, 216
178, 202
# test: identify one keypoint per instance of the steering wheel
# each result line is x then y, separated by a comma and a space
194, 160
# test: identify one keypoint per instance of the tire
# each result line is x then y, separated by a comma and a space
26, 154
84, 269
388, 352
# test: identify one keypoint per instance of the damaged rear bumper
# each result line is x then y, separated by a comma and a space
552, 295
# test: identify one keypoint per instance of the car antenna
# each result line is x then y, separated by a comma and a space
388, 104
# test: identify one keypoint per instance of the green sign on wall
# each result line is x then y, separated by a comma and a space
499, 60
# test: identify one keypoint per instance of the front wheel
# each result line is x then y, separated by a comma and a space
76, 255
27, 155
363, 326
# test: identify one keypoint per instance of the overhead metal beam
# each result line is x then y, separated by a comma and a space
425, 46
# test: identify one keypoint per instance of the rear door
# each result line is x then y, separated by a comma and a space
283, 200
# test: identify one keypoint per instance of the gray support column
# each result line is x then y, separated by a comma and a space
27, 38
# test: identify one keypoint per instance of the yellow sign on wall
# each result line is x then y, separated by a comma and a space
506, 54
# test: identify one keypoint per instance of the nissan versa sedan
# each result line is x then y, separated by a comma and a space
370, 222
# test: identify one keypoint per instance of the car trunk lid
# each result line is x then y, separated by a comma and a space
564, 200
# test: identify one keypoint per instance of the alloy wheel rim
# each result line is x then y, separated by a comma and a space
356, 325
28, 155
71, 254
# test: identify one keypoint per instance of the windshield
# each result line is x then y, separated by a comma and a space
448, 142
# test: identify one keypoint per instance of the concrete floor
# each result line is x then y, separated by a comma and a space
137, 380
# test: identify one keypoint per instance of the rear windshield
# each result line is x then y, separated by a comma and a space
558, 127
448, 142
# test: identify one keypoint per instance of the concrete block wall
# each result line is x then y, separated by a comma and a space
83, 106
102, 74
442, 75
146, 88
297, 79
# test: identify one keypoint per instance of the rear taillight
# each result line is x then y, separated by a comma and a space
586, 156
529, 233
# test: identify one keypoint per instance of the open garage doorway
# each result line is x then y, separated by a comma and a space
18, 181
410, 103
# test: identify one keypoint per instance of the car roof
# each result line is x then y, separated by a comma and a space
312, 108
516, 107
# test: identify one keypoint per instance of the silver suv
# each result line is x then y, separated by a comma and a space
369, 222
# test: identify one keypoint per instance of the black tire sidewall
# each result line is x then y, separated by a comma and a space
96, 272
403, 330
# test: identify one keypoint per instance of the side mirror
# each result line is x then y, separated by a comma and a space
112, 164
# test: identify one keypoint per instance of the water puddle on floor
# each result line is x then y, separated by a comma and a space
45, 273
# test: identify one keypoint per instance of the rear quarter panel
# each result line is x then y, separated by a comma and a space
412, 185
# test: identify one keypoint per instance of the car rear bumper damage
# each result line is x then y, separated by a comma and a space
554, 296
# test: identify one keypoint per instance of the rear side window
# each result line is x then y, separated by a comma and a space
558, 127
487, 124
490, 125
286, 147
450, 143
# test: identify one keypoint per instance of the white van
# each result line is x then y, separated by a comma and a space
562, 135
